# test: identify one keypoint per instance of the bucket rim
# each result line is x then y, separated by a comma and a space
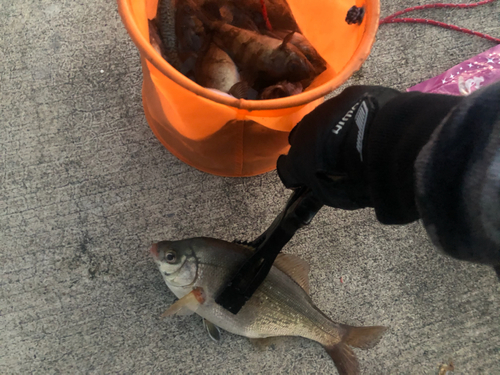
372, 14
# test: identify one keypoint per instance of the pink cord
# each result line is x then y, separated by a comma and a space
392, 18
438, 5
265, 16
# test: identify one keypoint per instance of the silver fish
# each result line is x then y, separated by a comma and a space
164, 23
281, 90
216, 70
196, 269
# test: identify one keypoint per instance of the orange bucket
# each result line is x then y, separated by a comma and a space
226, 136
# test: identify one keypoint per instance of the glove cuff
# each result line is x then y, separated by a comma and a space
399, 131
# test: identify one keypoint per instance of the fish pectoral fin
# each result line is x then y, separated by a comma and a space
212, 329
182, 306
344, 358
295, 267
287, 40
187, 304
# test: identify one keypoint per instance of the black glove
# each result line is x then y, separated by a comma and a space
323, 154
358, 149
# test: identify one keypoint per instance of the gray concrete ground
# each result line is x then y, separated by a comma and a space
85, 188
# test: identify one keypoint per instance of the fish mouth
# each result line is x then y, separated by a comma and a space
184, 271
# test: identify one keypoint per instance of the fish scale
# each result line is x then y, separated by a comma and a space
283, 65
279, 307
279, 313
268, 55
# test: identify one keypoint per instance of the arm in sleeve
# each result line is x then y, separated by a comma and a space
458, 180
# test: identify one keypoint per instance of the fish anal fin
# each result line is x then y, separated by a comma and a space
212, 330
363, 337
187, 304
344, 358
295, 267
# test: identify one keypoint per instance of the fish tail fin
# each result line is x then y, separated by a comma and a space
344, 358
363, 337
359, 337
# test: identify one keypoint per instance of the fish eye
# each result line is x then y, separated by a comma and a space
170, 257
294, 66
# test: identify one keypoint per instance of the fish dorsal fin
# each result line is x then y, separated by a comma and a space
187, 304
295, 267
247, 245
287, 39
